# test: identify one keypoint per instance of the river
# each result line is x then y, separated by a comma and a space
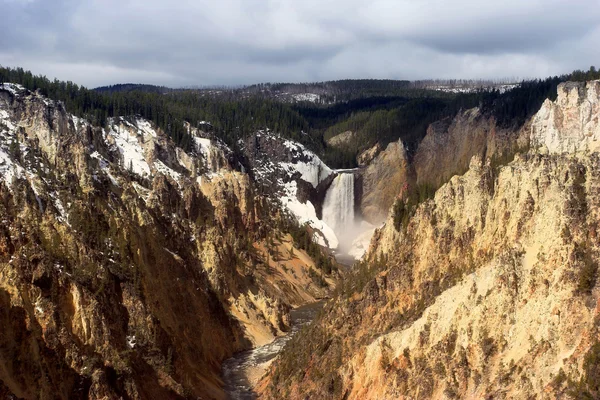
238, 369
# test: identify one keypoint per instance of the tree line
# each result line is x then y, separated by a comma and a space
378, 111
231, 119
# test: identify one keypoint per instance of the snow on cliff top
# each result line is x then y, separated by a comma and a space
128, 144
282, 177
313, 171
12, 87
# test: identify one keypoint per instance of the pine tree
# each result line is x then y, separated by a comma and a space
15, 149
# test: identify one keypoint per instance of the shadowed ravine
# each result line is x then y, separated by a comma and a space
235, 369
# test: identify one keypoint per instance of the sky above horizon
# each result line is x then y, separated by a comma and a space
232, 42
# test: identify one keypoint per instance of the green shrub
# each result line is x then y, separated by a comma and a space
317, 278
559, 379
488, 346
401, 215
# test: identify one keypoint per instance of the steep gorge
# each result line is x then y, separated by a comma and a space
489, 289
128, 267
445, 151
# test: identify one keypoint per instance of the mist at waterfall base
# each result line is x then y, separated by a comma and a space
353, 233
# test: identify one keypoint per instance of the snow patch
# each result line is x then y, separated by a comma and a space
37, 194
9, 170
142, 191
313, 172
101, 160
209, 152
5, 120
203, 145
63, 215
14, 88
162, 168
131, 151
131, 341
305, 213
104, 166
113, 180
312, 97
145, 128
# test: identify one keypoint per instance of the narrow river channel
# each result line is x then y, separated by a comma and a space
237, 369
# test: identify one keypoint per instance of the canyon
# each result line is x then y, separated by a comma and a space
485, 290
462, 266
130, 267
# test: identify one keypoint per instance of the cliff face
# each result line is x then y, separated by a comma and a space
445, 151
130, 268
295, 176
382, 180
488, 291
571, 122
449, 145
342, 139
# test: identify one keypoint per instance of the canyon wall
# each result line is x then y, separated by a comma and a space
445, 151
488, 291
130, 267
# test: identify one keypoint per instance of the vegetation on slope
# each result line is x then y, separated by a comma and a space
378, 111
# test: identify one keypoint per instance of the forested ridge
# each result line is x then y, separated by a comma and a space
131, 87
375, 110
231, 119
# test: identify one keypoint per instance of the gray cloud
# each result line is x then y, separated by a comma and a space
96, 42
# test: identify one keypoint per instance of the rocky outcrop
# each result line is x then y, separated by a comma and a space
489, 291
275, 161
296, 176
130, 268
444, 152
364, 158
382, 181
493, 271
571, 122
450, 144
341, 139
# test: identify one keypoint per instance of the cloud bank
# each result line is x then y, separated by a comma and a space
230, 42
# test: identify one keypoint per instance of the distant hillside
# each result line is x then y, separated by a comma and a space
379, 111
131, 87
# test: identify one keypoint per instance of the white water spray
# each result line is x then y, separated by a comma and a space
353, 234
338, 208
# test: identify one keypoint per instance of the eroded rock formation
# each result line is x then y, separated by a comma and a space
489, 291
130, 268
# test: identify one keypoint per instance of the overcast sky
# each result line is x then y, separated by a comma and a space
207, 42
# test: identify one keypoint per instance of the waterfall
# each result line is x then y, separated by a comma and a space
338, 208
352, 232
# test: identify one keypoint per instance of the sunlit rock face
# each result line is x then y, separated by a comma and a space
489, 291
445, 151
571, 122
382, 181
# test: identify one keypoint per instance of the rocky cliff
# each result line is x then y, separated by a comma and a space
488, 291
342, 139
449, 145
569, 124
382, 181
445, 151
130, 268
295, 176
